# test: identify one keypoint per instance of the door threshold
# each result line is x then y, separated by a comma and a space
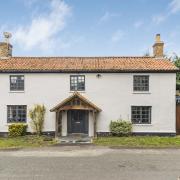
77, 134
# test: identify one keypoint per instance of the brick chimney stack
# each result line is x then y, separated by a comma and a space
6, 47
158, 47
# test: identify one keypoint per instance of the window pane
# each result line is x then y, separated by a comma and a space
16, 113
141, 114
77, 83
141, 83
17, 83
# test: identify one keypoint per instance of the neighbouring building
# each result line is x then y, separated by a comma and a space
83, 94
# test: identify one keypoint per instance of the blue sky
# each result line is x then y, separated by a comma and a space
90, 27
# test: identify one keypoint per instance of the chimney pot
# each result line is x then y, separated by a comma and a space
158, 37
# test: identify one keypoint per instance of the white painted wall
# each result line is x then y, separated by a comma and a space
113, 93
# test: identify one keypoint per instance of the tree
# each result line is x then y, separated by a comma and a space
37, 115
176, 61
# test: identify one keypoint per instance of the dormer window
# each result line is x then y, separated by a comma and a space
77, 83
17, 83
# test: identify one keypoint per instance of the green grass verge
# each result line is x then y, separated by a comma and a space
25, 141
139, 141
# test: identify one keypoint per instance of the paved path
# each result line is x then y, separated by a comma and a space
89, 163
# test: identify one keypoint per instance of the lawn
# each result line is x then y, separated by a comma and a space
26, 141
139, 141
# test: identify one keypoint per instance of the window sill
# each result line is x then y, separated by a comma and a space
16, 91
7, 124
77, 91
141, 92
142, 124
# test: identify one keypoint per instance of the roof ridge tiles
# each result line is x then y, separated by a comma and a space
39, 57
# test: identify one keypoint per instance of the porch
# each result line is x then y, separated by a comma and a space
76, 115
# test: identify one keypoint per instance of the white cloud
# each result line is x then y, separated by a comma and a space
107, 16
174, 6
42, 31
157, 19
117, 36
138, 24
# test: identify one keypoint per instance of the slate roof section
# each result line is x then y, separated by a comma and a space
86, 64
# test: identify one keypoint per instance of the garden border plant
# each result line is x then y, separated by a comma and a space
37, 115
17, 129
121, 128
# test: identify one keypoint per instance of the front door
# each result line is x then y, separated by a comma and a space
77, 121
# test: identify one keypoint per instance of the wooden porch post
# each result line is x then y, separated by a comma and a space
56, 124
60, 123
94, 117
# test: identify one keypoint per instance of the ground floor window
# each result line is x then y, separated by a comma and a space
16, 113
141, 114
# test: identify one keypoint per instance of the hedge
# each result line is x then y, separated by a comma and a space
18, 129
120, 128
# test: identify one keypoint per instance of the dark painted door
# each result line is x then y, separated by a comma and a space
77, 121
178, 119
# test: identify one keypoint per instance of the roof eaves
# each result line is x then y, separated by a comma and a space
90, 71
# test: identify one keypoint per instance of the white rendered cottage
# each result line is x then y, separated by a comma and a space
83, 94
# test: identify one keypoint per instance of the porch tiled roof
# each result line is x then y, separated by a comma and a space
86, 64
75, 95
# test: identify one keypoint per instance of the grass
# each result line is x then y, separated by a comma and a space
25, 141
126, 142
139, 141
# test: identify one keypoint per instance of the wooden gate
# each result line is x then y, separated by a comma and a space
178, 118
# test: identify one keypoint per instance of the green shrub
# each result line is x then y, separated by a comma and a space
18, 129
120, 128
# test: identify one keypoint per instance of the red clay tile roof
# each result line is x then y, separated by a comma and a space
86, 64
70, 98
